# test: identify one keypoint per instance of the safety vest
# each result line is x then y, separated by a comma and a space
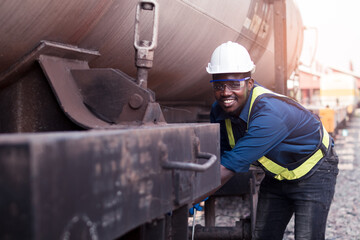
274, 169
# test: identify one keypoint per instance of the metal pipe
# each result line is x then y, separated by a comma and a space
240, 231
280, 46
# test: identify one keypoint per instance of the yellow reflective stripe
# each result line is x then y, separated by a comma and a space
326, 138
257, 92
230, 132
282, 173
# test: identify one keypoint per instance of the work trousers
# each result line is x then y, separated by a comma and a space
309, 199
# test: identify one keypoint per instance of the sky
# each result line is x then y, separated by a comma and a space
336, 25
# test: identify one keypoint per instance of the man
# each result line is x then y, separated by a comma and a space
273, 131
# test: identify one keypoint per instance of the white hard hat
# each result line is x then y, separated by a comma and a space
230, 57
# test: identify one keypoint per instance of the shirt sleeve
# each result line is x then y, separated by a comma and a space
267, 128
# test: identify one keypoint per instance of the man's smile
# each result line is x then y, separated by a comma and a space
228, 102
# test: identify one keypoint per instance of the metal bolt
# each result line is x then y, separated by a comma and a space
136, 101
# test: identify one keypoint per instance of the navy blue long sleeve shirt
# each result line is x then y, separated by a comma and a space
277, 129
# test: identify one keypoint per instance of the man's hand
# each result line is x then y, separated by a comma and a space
197, 207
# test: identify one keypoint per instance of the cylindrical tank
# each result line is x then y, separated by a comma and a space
189, 31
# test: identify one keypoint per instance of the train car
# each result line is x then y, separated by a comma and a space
338, 97
91, 145
339, 89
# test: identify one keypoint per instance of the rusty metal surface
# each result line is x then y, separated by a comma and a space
91, 98
27, 61
27, 103
98, 184
188, 32
99, 98
66, 91
111, 94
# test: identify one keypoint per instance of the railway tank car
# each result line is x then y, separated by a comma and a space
68, 66
188, 32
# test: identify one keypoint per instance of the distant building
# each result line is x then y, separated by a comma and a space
309, 86
330, 86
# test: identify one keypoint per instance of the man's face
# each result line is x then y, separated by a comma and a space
232, 95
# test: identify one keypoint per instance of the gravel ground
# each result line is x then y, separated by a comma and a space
344, 216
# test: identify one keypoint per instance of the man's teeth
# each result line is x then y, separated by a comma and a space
228, 101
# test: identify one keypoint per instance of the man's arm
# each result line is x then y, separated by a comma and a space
226, 174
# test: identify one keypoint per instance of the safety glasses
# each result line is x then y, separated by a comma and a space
231, 84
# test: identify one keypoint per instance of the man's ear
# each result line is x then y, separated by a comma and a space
250, 83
